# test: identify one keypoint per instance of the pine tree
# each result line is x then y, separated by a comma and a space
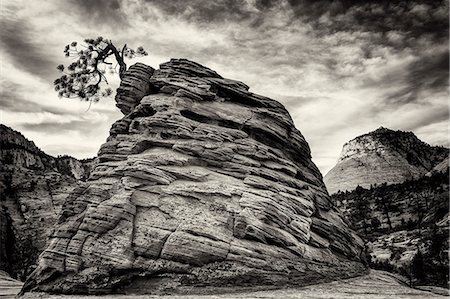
84, 77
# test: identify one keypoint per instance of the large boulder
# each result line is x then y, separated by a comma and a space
202, 185
383, 156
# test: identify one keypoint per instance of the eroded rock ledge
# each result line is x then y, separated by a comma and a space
202, 184
33, 187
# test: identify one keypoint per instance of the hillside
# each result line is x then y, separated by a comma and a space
382, 156
404, 222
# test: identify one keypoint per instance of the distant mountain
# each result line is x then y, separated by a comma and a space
382, 156
17, 151
33, 186
394, 190
441, 167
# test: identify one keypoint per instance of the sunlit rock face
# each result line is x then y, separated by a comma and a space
382, 156
202, 185
33, 186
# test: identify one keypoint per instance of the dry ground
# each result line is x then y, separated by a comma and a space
376, 285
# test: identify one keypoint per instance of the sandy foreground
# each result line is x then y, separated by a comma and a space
375, 285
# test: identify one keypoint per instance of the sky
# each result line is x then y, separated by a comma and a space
342, 68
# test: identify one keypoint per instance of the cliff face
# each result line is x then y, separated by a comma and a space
33, 186
201, 184
440, 168
382, 156
18, 151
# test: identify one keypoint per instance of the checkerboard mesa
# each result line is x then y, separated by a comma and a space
383, 156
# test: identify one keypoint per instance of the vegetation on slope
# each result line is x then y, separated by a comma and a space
405, 226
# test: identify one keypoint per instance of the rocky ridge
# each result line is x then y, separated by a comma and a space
33, 186
202, 185
375, 285
382, 156
18, 151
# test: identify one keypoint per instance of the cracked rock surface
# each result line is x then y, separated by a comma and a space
201, 185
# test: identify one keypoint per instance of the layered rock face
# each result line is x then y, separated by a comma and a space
382, 156
202, 185
33, 186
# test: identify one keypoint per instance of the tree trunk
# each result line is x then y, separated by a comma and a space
386, 211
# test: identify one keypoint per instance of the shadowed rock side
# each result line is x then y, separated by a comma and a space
33, 186
201, 186
382, 156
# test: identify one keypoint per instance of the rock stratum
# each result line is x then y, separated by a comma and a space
201, 186
33, 186
382, 156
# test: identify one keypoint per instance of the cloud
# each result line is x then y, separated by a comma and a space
23, 46
12, 100
342, 68
427, 73
413, 18
206, 11
58, 127
435, 134
435, 115
101, 12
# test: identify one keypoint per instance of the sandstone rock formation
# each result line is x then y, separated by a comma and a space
201, 185
382, 156
33, 186
442, 167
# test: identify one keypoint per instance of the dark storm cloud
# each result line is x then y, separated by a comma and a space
101, 12
204, 10
395, 25
414, 18
429, 73
19, 41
